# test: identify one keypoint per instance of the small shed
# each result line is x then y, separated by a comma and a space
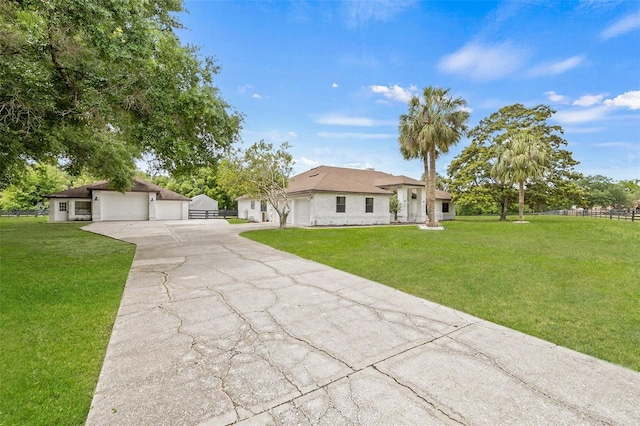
203, 202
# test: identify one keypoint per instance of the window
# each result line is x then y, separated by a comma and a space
253, 204
83, 208
263, 206
368, 205
62, 207
445, 207
341, 204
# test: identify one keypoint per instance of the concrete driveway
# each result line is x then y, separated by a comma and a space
216, 329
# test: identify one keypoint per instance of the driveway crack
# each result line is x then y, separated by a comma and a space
528, 385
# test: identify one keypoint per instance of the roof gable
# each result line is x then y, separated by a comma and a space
139, 185
340, 179
336, 179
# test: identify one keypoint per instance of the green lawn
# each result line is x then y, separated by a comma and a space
571, 281
60, 289
235, 221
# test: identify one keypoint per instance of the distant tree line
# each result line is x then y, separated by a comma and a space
36, 181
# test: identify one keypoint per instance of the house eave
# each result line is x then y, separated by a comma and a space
334, 191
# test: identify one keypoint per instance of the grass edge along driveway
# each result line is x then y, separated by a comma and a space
60, 289
571, 281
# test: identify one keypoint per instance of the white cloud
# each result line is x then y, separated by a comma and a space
245, 88
555, 68
588, 100
483, 62
395, 92
593, 108
292, 134
624, 25
340, 120
334, 85
256, 96
357, 135
630, 100
556, 98
358, 165
581, 115
307, 163
360, 12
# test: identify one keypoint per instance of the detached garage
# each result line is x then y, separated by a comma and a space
98, 202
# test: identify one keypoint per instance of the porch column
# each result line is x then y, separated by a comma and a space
153, 202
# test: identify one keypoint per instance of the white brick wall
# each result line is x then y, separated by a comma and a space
323, 210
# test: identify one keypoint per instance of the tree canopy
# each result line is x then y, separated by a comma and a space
520, 159
97, 85
35, 182
477, 190
203, 180
261, 172
602, 191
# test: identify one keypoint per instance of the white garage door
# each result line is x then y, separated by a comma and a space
302, 214
169, 210
129, 206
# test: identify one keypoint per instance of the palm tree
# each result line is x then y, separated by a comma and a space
521, 158
433, 124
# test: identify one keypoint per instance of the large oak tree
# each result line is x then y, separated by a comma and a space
96, 85
477, 190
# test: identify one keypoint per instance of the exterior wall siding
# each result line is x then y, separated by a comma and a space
319, 209
246, 212
323, 210
110, 205
450, 215
55, 215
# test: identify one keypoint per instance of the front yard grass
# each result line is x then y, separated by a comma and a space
236, 221
571, 281
60, 289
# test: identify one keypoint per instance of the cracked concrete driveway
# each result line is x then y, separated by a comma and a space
216, 329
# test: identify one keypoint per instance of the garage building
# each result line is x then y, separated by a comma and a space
99, 202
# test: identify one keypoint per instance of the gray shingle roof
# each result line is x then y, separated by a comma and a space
139, 185
340, 179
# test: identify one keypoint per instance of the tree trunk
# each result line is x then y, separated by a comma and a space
283, 219
425, 162
521, 201
431, 189
504, 203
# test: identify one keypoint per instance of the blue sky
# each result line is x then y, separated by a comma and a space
332, 77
